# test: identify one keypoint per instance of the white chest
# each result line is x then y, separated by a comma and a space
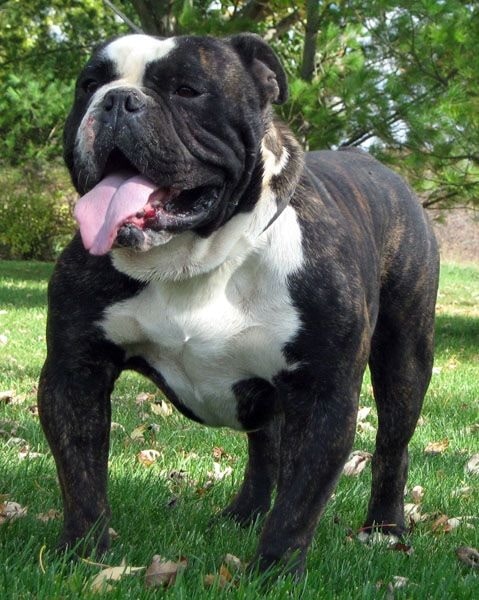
203, 339
208, 332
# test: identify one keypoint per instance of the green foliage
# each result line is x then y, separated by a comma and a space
35, 214
398, 78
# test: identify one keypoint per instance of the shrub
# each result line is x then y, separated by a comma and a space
35, 211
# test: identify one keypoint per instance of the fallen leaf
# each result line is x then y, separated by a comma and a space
437, 447
219, 473
7, 396
137, 433
17, 441
113, 534
417, 494
472, 465
366, 427
161, 408
463, 492
11, 511
373, 538
356, 463
363, 413
469, 556
436, 370
33, 409
441, 525
412, 512
144, 397
163, 573
178, 475
117, 427
401, 547
100, 581
233, 563
26, 453
218, 453
221, 579
3, 339
399, 582
50, 515
455, 522
148, 457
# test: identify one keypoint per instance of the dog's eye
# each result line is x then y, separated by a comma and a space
90, 85
187, 92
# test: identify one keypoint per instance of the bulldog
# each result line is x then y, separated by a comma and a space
252, 283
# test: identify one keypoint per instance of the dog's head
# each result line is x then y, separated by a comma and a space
165, 135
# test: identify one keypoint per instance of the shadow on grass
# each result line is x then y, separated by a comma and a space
457, 334
23, 283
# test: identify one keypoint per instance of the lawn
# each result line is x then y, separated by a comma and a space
168, 502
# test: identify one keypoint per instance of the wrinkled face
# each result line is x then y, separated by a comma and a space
163, 136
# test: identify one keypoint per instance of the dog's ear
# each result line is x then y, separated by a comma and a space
263, 65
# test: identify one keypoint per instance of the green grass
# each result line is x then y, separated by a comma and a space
155, 514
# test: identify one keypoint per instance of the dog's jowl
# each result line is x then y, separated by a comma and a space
250, 282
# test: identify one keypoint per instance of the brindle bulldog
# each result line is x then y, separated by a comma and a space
250, 282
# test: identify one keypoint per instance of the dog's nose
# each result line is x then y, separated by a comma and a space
121, 102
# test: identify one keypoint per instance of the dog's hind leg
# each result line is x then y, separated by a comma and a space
401, 364
254, 496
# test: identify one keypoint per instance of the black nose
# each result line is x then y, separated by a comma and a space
119, 103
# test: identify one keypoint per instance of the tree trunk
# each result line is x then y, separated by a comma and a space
156, 16
310, 39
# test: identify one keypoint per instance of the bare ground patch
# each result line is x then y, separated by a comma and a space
457, 232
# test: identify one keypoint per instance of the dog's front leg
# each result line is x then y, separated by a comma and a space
316, 437
74, 408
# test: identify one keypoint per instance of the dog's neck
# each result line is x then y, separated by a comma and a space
187, 255
283, 162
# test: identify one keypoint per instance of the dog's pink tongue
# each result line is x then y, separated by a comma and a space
107, 206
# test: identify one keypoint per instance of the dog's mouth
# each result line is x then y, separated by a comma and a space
126, 207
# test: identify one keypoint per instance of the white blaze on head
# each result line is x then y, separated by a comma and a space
131, 53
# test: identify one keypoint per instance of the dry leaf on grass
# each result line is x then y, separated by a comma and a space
472, 465
17, 441
7, 396
445, 524
463, 492
219, 473
469, 556
356, 463
437, 447
100, 581
412, 513
26, 453
144, 397
3, 339
163, 573
219, 453
363, 413
402, 547
233, 563
376, 538
417, 494
50, 515
221, 579
10, 511
161, 408
148, 457
117, 427
138, 432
